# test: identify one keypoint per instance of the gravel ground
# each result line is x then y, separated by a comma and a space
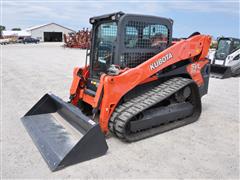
208, 148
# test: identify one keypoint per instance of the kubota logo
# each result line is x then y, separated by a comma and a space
160, 61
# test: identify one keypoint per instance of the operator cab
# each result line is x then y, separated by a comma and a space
225, 47
125, 40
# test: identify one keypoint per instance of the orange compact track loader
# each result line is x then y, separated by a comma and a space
135, 84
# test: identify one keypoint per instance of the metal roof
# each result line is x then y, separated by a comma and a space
42, 25
36, 27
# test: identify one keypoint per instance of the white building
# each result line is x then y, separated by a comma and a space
51, 32
21, 33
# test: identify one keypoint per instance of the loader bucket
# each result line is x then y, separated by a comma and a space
62, 133
220, 72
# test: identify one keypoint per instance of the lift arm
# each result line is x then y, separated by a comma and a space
115, 87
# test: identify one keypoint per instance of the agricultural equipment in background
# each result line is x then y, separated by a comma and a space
8, 40
81, 39
225, 61
5, 41
135, 84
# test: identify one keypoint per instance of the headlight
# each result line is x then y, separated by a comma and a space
113, 17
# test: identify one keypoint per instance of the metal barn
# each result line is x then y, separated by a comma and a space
51, 32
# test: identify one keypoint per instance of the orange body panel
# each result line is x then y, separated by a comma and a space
115, 87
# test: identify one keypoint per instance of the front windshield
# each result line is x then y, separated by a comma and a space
223, 49
106, 34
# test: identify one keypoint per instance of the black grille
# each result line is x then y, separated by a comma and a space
144, 40
145, 35
133, 59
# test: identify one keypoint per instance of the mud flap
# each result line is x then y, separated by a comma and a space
62, 133
220, 72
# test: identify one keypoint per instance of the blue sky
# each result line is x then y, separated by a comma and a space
208, 17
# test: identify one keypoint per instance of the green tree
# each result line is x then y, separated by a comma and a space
2, 28
16, 29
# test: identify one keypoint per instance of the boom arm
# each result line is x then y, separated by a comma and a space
195, 47
115, 87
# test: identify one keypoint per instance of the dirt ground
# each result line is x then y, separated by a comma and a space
208, 148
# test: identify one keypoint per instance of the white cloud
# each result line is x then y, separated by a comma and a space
228, 7
76, 14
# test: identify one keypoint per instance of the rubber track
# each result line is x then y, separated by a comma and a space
126, 111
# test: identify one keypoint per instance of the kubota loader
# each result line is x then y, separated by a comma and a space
136, 83
225, 61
